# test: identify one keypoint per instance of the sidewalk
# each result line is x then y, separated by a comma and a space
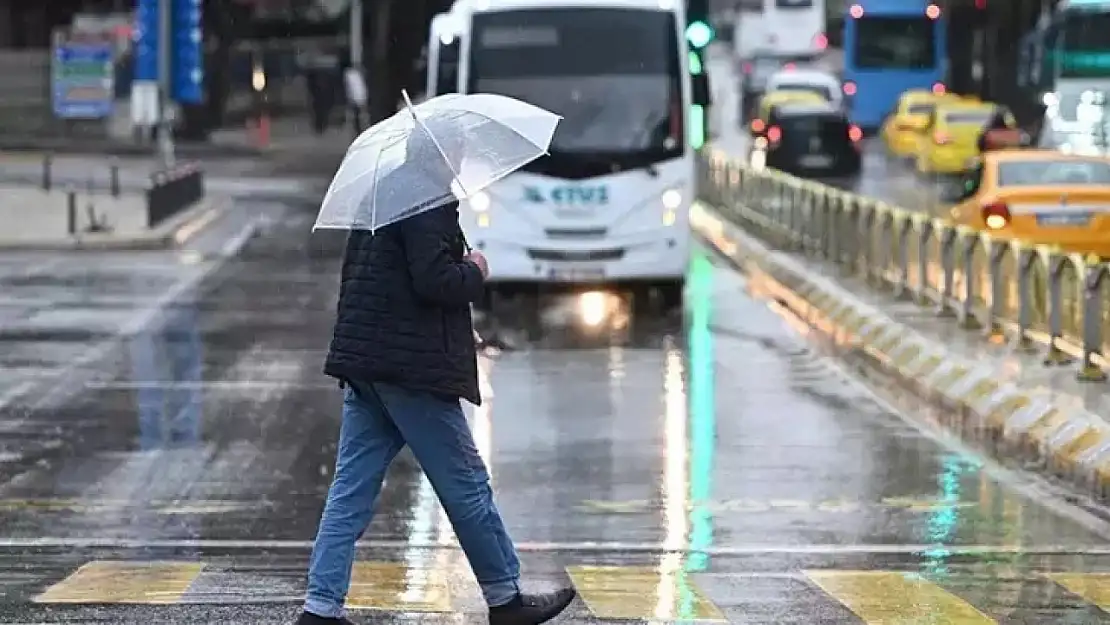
286, 134
41, 221
295, 154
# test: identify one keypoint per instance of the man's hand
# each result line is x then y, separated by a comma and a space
479, 259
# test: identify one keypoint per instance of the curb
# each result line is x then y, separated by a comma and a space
209, 151
1010, 422
175, 231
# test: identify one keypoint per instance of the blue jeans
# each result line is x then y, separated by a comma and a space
378, 421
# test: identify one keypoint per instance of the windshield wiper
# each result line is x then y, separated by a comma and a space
654, 124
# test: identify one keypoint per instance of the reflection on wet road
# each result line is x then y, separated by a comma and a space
713, 468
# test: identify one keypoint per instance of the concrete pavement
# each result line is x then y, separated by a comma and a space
720, 468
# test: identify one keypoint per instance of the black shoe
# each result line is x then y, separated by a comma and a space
308, 618
531, 609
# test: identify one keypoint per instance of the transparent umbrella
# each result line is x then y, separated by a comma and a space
430, 154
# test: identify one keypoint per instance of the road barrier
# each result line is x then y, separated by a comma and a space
173, 191
1034, 294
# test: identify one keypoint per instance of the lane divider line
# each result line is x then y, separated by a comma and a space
225, 546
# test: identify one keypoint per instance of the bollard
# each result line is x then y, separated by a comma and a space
47, 171
113, 179
71, 210
262, 131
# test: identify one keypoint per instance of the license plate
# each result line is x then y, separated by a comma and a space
574, 213
816, 161
1064, 219
578, 272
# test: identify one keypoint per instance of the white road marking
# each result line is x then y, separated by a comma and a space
231, 386
580, 546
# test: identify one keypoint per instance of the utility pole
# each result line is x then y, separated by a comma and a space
355, 79
356, 34
165, 82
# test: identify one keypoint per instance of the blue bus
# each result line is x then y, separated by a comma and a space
891, 46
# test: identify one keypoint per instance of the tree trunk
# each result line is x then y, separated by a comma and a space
382, 95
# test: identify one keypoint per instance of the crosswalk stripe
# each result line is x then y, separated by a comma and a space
106, 581
642, 593
884, 597
395, 586
1092, 587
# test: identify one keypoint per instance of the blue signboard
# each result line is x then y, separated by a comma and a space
83, 79
145, 38
187, 52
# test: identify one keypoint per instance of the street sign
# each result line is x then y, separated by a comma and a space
83, 77
145, 38
187, 52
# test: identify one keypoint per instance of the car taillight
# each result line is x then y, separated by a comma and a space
850, 88
789, 67
758, 125
939, 89
855, 133
774, 134
941, 138
821, 41
746, 68
996, 215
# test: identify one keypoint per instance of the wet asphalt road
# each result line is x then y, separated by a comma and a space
166, 440
883, 177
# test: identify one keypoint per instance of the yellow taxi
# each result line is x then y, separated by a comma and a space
1040, 196
950, 138
776, 98
900, 131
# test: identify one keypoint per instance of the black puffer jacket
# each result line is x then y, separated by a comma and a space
404, 308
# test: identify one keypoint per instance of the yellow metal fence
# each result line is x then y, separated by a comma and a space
1032, 293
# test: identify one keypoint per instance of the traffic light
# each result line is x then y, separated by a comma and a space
699, 32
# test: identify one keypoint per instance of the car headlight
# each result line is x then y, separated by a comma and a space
479, 202
671, 199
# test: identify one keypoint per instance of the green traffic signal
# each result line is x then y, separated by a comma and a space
699, 34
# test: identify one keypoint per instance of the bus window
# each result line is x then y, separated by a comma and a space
794, 4
885, 42
613, 74
750, 6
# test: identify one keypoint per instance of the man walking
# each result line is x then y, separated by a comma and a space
403, 350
